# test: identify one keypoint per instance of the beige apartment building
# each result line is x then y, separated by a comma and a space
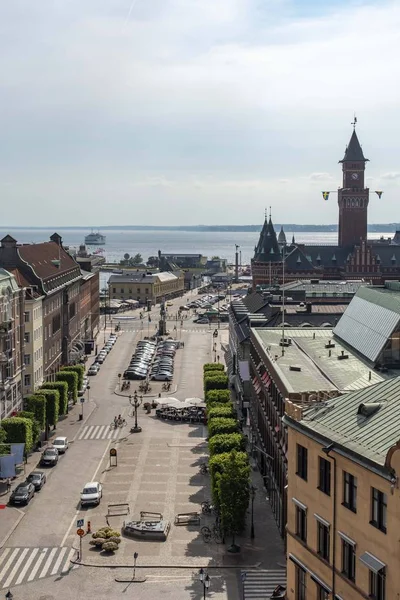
343, 497
33, 356
146, 287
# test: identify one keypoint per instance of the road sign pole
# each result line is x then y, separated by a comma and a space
80, 548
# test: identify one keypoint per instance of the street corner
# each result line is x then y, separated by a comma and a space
9, 520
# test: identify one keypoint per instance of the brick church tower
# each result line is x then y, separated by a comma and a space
353, 197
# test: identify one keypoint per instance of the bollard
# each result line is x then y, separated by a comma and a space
89, 529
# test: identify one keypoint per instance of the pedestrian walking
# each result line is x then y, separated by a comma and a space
218, 357
8, 485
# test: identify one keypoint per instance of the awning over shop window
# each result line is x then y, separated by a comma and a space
244, 372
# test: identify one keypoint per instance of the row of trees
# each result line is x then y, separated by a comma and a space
229, 462
43, 409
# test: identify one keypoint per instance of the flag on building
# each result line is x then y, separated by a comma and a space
379, 194
325, 195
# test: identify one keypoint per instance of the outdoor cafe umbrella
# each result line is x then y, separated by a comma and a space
194, 401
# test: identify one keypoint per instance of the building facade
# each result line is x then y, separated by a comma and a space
354, 257
343, 497
12, 346
33, 355
146, 287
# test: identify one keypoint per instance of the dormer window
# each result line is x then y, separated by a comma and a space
393, 259
334, 258
318, 259
298, 260
378, 259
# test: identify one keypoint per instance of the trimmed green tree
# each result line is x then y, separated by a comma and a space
72, 380
36, 429
19, 431
233, 493
225, 411
215, 382
213, 367
217, 465
52, 406
213, 396
79, 370
3, 436
62, 388
222, 425
36, 404
226, 442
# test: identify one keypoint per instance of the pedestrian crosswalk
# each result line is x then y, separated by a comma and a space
23, 565
260, 584
97, 432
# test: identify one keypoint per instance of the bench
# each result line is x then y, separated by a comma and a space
190, 518
150, 516
116, 510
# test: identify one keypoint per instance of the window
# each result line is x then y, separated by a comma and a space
301, 523
114, 290
377, 585
350, 491
26, 317
348, 560
302, 456
27, 380
378, 509
122, 290
324, 476
323, 540
301, 587
27, 337
322, 594
27, 359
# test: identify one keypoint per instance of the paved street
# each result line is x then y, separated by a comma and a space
158, 470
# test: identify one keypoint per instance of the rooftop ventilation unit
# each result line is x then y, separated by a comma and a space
330, 344
294, 368
343, 356
285, 342
367, 409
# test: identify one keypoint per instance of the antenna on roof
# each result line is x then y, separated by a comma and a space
354, 123
270, 213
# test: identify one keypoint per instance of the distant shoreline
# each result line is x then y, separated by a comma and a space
288, 227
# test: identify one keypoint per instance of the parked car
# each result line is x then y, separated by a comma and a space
49, 457
162, 377
23, 493
38, 479
61, 443
91, 493
93, 369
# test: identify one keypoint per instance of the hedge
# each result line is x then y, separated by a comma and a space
226, 442
215, 382
218, 396
36, 430
19, 431
62, 388
217, 464
233, 492
52, 405
225, 411
213, 367
79, 370
222, 425
72, 380
36, 404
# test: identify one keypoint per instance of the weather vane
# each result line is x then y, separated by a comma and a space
354, 123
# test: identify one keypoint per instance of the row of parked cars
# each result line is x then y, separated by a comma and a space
102, 355
152, 360
141, 360
162, 368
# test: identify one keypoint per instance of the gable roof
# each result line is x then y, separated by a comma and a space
47, 259
267, 249
353, 151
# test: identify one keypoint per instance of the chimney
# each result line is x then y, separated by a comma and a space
309, 307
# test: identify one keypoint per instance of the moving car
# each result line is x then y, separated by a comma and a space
91, 493
23, 493
38, 479
61, 443
49, 457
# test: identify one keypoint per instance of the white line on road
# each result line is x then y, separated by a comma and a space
37, 566
16, 567
58, 561
74, 518
48, 563
4, 555
8, 563
88, 432
100, 432
67, 562
26, 567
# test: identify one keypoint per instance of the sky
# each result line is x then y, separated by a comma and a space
185, 112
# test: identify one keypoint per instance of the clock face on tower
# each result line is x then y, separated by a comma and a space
354, 176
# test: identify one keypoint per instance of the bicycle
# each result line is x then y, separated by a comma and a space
208, 533
204, 469
206, 507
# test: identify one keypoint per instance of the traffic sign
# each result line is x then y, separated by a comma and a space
80, 523
82, 399
80, 532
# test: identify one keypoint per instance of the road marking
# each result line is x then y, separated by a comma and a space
88, 432
58, 561
16, 567
100, 432
93, 479
27, 565
4, 555
8, 563
67, 564
37, 565
48, 563
97, 432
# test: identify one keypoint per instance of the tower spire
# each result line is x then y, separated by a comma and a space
354, 123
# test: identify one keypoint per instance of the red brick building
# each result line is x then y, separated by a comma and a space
354, 257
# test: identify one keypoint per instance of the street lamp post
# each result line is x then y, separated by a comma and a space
253, 491
205, 580
135, 402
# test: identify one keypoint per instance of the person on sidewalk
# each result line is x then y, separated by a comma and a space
8, 485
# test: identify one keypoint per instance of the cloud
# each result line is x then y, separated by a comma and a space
216, 101
391, 176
